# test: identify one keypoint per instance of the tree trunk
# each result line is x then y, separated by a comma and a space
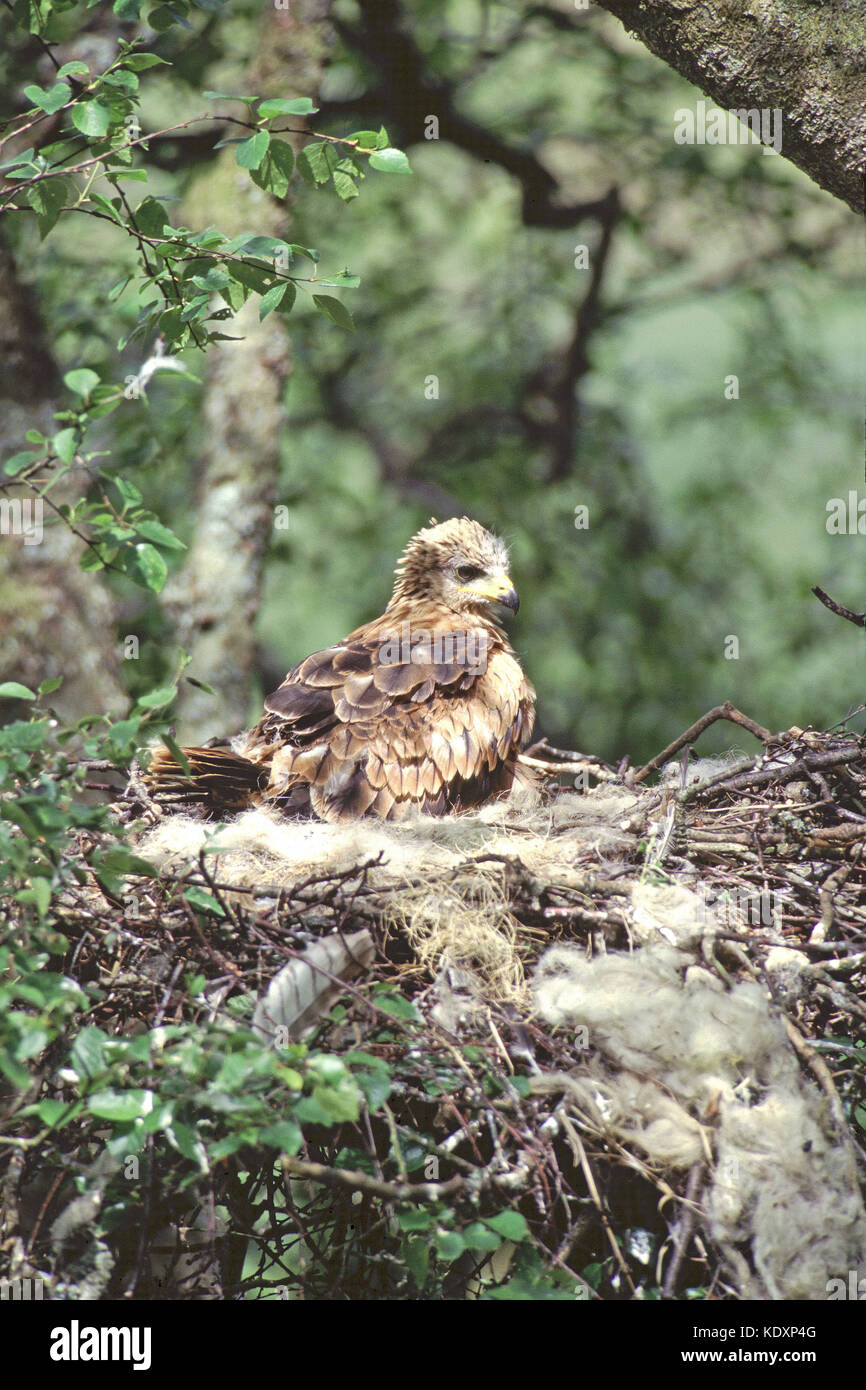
214, 599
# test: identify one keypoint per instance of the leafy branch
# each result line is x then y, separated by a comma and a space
188, 283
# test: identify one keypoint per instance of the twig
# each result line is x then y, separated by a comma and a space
725, 711
858, 619
822, 1073
362, 1182
685, 1228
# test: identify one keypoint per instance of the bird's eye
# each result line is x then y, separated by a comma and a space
466, 573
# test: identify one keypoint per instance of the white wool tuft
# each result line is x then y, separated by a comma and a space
686, 1066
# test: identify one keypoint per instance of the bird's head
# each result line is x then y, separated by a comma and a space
456, 564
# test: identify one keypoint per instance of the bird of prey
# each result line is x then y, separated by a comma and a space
425, 707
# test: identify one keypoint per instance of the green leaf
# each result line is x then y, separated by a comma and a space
18, 462
177, 752
368, 139
345, 280
316, 163
252, 277
277, 106
18, 1075
64, 444
276, 169
159, 534
150, 217
92, 118
186, 1141
197, 897
398, 1006
164, 17
285, 1135
390, 161
214, 282
265, 246
124, 82
128, 492
418, 1260
105, 206
74, 69
416, 1219
121, 734
88, 1052
121, 1106
81, 381
93, 560
48, 687
119, 860
154, 698
250, 153
197, 308
151, 567
338, 1104
272, 299
345, 185
288, 300
335, 310
115, 176
138, 61
200, 685
13, 690
49, 100
227, 96
508, 1224
49, 1111
449, 1245
477, 1236
23, 165
47, 200
39, 893
376, 1086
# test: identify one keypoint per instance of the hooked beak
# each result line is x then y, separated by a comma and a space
499, 589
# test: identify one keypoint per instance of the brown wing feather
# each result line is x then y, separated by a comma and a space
349, 732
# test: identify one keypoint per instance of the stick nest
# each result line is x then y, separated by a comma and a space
634, 1019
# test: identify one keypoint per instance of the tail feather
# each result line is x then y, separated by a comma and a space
218, 780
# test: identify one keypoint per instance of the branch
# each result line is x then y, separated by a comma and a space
409, 92
362, 1182
576, 362
725, 711
804, 59
858, 619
